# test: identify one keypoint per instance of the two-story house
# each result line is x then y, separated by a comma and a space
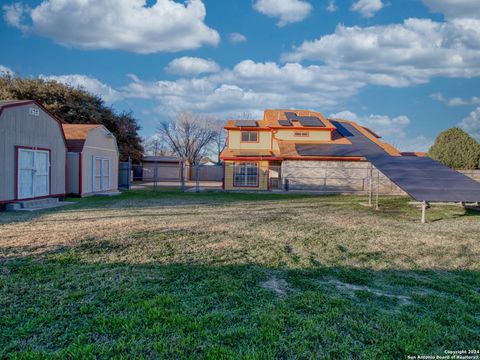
261, 154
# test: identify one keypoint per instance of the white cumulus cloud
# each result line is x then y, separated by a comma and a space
394, 130
14, 15
403, 54
455, 8
287, 11
236, 38
128, 25
367, 8
192, 66
249, 87
90, 84
332, 6
455, 101
471, 124
4, 70
437, 97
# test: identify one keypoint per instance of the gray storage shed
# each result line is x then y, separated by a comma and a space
32, 152
92, 159
161, 168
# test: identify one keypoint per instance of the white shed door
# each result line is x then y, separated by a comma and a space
33, 173
101, 174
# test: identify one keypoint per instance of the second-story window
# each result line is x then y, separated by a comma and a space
249, 136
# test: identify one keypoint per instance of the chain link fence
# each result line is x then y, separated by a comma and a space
179, 175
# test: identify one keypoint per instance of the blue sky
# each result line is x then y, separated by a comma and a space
409, 69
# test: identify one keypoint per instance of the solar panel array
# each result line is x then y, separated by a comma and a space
422, 178
285, 123
361, 146
310, 121
290, 115
427, 180
304, 120
372, 132
246, 123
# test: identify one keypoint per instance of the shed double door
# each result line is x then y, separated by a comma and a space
33, 173
101, 174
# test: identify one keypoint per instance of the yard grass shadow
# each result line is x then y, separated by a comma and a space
68, 308
149, 198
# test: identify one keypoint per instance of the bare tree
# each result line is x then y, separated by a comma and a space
246, 115
188, 136
219, 141
156, 146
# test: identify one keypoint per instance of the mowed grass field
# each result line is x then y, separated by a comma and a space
238, 276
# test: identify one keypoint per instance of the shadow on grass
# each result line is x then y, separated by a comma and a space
68, 308
147, 198
395, 207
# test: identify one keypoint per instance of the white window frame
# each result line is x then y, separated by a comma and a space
249, 132
242, 177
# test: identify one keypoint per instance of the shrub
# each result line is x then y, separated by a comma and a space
456, 149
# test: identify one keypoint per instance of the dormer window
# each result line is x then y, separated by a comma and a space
249, 136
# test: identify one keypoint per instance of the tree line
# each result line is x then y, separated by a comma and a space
188, 136
77, 106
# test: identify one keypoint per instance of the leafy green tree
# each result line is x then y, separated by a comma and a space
76, 106
456, 149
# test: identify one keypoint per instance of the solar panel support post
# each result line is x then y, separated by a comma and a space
377, 190
370, 185
424, 211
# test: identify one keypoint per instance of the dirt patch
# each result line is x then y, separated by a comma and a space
278, 286
352, 288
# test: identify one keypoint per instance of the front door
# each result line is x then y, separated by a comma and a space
101, 174
33, 173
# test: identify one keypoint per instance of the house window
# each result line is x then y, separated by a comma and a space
246, 174
301, 134
249, 136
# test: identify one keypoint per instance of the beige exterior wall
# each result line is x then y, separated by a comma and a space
267, 143
98, 144
314, 135
235, 143
474, 174
262, 180
335, 176
19, 128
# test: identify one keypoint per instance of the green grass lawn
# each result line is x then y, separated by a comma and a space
238, 276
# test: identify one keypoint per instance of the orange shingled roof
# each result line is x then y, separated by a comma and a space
78, 131
271, 117
287, 148
232, 124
